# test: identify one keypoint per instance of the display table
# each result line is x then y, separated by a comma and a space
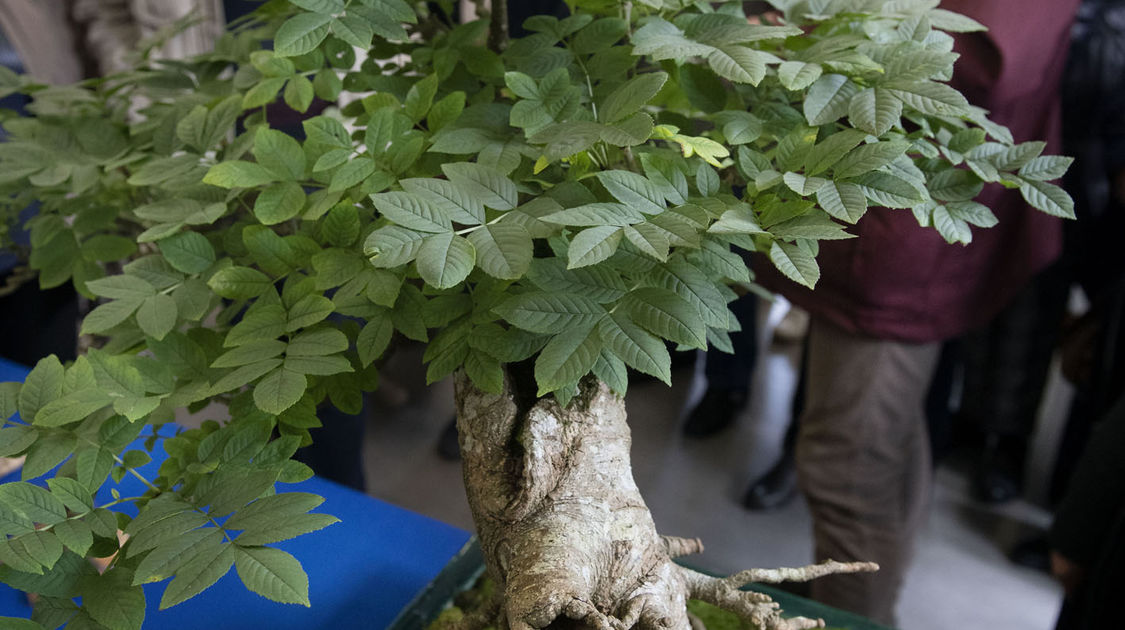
362, 570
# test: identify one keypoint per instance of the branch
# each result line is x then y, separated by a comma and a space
498, 26
801, 574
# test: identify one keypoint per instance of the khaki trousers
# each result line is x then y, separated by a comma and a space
863, 461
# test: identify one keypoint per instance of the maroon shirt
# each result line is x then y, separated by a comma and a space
903, 282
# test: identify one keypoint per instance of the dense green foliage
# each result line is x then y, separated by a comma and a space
576, 199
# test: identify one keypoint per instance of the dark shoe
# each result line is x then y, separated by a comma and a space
775, 489
1033, 553
448, 448
715, 411
999, 474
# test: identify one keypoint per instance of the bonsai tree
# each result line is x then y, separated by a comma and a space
544, 213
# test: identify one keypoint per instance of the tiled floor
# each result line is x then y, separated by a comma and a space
960, 580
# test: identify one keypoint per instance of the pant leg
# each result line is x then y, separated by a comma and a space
734, 371
863, 461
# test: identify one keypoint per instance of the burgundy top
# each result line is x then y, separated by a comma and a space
904, 282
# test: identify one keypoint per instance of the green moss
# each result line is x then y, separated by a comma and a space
716, 618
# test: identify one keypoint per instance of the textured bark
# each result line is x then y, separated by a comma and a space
564, 530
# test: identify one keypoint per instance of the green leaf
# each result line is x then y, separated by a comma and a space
1046, 197
666, 314
795, 263
869, 157
889, 190
121, 287
352, 173
739, 64
16, 439
43, 384
446, 111
595, 214
649, 239
272, 509
279, 202
952, 229
955, 22
929, 97
279, 390
273, 574
485, 184
1046, 168
262, 532
831, 150
280, 153
238, 174
874, 110
17, 623
38, 504
444, 260
392, 246
318, 366
266, 322
167, 558
9, 401
593, 245
73, 494
411, 211
972, 213
108, 315
317, 342
157, 315
447, 199
828, 99
341, 225
301, 34
543, 312
638, 348
71, 408
955, 185
633, 190
299, 93
239, 283
205, 568
842, 201
264, 93
189, 252
75, 535
353, 30
631, 96
599, 35
567, 357
694, 286
112, 601
308, 311
420, 97
250, 352
108, 247
503, 250
798, 75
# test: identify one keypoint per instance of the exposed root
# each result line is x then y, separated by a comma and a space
758, 608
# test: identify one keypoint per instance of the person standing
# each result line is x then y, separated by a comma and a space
887, 299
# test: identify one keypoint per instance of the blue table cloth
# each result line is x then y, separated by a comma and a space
362, 570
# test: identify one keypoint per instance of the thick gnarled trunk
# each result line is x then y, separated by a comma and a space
564, 529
